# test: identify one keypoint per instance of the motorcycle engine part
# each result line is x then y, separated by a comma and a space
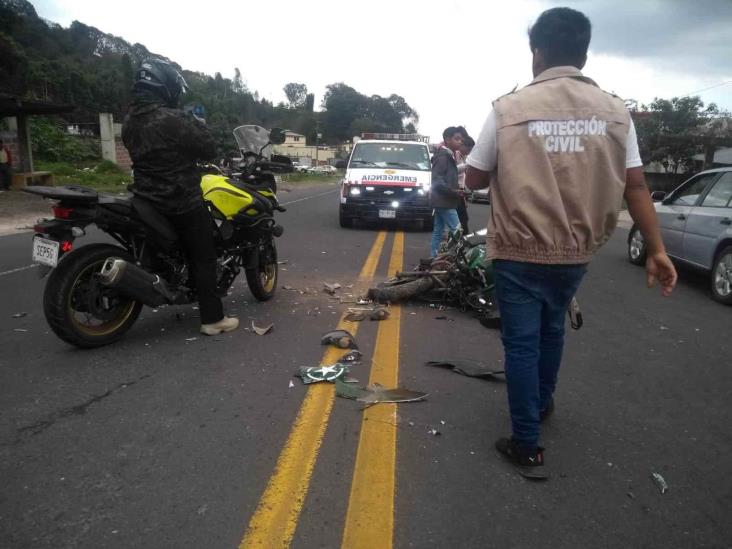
133, 282
340, 338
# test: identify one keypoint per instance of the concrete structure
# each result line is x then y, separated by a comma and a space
295, 146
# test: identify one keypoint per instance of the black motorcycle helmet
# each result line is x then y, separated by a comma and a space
161, 78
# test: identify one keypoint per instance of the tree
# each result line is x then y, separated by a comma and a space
237, 84
296, 94
669, 131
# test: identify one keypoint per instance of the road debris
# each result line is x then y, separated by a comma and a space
340, 338
467, 367
434, 432
660, 482
353, 356
376, 393
261, 331
20, 330
20, 315
313, 374
357, 314
191, 338
443, 317
291, 384
330, 288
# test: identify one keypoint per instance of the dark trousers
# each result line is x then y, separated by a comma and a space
462, 211
194, 229
5, 176
533, 301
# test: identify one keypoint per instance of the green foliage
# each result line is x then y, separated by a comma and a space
99, 176
669, 131
51, 143
93, 71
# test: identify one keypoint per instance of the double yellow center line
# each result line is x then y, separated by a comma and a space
372, 492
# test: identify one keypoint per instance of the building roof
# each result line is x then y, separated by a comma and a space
290, 132
14, 106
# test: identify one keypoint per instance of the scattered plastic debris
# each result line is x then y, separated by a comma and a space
191, 338
340, 338
20, 315
467, 367
314, 374
434, 432
660, 482
357, 314
352, 356
291, 384
374, 394
331, 288
283, 262
20, 330
261, 331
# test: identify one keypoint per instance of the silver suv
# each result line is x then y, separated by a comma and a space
696, 227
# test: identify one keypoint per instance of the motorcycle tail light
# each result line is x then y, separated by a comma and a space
60, 212
66, 246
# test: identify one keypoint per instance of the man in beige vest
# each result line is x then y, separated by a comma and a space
560, 155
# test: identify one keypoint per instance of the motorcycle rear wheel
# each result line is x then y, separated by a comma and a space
78, 309
262, 280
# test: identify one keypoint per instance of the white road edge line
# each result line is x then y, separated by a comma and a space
19, 269
309, 197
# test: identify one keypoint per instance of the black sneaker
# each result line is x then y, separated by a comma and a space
546, 412
530, 463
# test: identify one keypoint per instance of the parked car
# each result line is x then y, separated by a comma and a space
300, 168
325, 170
696, 227
481, 195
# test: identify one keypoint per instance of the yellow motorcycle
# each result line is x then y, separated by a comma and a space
95, 292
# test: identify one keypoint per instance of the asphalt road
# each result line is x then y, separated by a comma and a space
164, 442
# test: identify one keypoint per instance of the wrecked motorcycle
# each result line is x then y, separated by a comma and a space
461, 276
95, 292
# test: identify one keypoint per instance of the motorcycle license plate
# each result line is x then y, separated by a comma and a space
45, 251
387, 214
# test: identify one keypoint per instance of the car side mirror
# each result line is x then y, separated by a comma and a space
277, 136
658, 196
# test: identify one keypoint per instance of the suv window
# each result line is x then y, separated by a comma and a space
391, 155
689, 194
719, 196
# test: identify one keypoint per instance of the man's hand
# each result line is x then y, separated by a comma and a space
659, 267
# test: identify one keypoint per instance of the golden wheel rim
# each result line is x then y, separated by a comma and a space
104, 327
268, 277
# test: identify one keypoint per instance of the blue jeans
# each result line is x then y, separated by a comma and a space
443, 217
533, 301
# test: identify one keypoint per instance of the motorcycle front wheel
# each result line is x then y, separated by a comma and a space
262, 279
78, 308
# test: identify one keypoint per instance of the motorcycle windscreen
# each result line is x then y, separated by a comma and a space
252, 139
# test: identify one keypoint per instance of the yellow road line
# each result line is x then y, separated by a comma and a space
370, 517
275, 519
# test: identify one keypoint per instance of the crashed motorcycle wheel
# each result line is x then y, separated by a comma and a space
262, 279
395, 291
78, 308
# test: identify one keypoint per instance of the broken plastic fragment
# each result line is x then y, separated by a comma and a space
20, 315
374, 394
339, 338
191, 338
660, 482
330, 288
313, 374
351, 356
262, 331
291, 384
434, 432
467, 367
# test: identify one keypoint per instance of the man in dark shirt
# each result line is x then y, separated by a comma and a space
444, 193
165, 143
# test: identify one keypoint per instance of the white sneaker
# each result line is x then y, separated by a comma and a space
226, 324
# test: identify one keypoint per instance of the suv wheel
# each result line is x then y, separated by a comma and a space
722, 276
345, 221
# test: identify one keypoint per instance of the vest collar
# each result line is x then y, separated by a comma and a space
565, 71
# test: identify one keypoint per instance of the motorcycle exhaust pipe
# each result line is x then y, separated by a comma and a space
135, 283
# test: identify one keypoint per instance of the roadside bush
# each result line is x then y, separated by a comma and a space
51, 143
107, 166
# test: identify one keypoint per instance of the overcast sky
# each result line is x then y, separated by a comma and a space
448, 58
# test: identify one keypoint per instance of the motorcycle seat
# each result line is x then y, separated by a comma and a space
119, 204
163, 231
475, 239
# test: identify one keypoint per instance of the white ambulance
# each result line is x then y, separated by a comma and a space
387, 179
